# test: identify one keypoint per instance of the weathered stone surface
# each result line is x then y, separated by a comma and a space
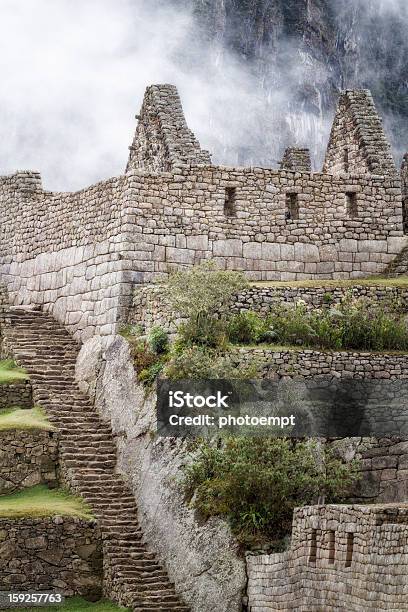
45, 555
17, 394
27, 458
341, 558
202, 559
88, 364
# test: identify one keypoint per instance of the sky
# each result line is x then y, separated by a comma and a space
73, 78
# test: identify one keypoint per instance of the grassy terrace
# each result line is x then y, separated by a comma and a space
16, 418
11, 373
77, 604
40, 502
378, 281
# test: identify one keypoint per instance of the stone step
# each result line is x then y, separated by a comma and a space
88, 453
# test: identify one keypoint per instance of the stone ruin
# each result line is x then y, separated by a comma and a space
79, 255
357, 555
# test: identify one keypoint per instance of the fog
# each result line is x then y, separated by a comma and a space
74, 74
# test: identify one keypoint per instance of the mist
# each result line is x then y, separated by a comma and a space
74, 75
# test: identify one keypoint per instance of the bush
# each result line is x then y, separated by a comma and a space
256, 483
247, 328
198, 362
198, 294
204, 331
202, 289
158, 340
360, 324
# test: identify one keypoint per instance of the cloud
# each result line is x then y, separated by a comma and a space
74, 74
73, 77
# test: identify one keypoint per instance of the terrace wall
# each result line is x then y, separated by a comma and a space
59, 554
27, 458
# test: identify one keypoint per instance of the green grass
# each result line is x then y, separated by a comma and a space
17, 418
373, 281
10, 372
77, 604
39, 502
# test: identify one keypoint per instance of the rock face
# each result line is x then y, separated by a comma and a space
201, 559
318, 47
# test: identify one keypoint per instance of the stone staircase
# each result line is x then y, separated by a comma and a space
132, 575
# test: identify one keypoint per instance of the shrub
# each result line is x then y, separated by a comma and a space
204, 331
149, 375
158, 340
199, 362
256, 483
247, 328
291, 324
361, 324
203, 288
197, 294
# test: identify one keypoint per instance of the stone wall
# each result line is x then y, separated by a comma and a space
63, 251
3, 305
17, 394
308, 363
180, 220
384, 468
79, 254
296, 159
27, 458
404, 179
51, 554
151, 308
341, 558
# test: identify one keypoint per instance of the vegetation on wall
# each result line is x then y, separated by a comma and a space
255, 483
202, 349
356, 324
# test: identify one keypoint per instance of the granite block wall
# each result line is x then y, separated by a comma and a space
61, 554
78, 254
27, 458
17, 394
357, 141
179, 220
63, 251
341, 558
150, 307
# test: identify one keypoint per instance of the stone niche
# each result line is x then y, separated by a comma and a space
27, 458
51, 554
